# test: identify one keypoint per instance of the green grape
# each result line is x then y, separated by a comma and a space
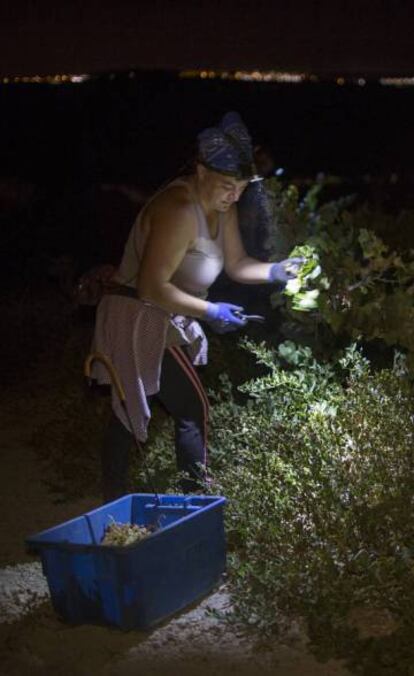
122, 534
300, 288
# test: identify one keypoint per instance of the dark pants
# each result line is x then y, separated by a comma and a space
182, 395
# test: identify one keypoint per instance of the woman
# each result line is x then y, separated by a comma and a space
149, 325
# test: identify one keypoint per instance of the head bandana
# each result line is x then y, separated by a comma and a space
227, 148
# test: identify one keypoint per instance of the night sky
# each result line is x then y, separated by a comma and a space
328, 36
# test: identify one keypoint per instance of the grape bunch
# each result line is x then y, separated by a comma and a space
304, 288
122, 534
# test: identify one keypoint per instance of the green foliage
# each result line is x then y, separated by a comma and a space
319, 474
318, 470
159, 455
224, 356
370, 289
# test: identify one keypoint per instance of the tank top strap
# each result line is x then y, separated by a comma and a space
202, 225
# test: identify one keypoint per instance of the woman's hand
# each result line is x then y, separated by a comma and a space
285, 270
225, 314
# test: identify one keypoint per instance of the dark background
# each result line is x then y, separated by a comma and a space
142, 128
134, 121
61, 145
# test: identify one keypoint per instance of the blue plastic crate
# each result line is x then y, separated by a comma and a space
138, 585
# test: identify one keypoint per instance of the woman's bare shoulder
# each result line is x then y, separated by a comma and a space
174, 198
171, 210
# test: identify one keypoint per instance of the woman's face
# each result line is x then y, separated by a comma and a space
219, 191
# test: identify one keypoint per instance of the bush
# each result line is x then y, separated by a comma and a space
371, 287
319, 474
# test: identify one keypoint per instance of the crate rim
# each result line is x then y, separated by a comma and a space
33, 544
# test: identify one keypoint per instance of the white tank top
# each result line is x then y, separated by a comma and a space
202, 262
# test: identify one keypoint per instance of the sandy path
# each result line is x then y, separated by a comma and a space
26, 505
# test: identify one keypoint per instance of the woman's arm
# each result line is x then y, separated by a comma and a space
238, 265
172, 228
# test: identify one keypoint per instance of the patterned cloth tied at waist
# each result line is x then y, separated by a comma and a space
134, 334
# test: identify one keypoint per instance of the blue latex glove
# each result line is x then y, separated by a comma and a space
285, 270
223, 316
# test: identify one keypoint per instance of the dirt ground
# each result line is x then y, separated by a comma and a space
33, 640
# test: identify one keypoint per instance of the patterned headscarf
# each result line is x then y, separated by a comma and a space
227, 148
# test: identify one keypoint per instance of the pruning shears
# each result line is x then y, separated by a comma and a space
224, 326
250, 318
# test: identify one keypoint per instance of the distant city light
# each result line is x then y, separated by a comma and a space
79, 78
45, 79
292, 77
256, 75
397, 81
